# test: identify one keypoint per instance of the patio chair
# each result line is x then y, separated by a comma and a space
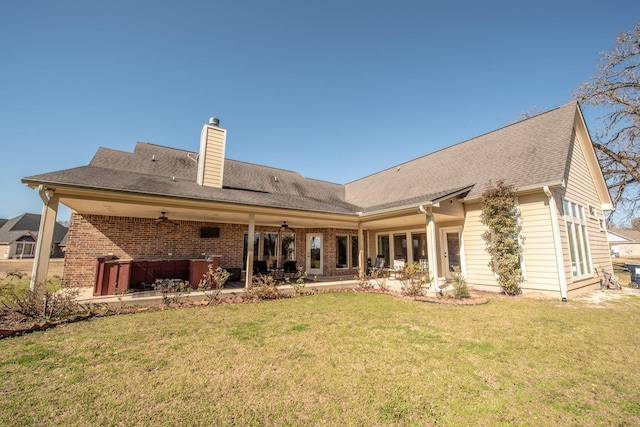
398, 268
290, 268
379, 265
260, 268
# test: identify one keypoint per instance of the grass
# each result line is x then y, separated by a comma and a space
26, 265
332, 359
15, 274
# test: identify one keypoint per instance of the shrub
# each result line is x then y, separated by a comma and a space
365, 282
43, 302
503, 240
213, 281
171, 290
263, 287
460, 287
298, 285
373, 279
413, 279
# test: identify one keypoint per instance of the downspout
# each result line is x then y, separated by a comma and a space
555, 225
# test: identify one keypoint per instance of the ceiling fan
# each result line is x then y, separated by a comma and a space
164, 218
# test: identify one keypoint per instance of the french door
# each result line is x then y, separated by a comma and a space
451, 253
314, 254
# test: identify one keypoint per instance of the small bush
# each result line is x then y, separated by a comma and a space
298, 285
460, 287
16, 274
263, 287
375, 278
365, 282
213, 281
119, 294
43, 302
413, 280
172, 290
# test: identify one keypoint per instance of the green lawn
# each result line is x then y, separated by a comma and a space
332, 359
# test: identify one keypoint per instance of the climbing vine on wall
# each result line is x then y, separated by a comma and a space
503, 240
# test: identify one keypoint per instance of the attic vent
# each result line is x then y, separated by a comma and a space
214, 121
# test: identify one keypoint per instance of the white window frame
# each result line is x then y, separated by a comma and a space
577, 232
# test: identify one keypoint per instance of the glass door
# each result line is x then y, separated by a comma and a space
451, 250
314, 254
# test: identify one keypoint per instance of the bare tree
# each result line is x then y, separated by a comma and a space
614, 92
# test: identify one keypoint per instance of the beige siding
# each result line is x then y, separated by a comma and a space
540, 261
212, 148
539, 250
478, 273
581, 189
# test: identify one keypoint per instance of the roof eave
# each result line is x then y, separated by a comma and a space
525, 189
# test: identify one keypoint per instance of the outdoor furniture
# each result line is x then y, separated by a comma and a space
141, 274
379, 265
260, 268
398, 268
234, 274
291, 268
277, 274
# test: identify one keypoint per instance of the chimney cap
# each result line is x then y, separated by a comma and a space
214, 121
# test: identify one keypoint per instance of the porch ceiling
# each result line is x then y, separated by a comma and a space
180, 210
410, 217
119, 204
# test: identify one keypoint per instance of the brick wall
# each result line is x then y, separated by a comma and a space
92, 236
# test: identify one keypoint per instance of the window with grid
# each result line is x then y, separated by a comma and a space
578, 238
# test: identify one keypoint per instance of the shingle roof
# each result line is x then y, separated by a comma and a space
164, 171
532, 151
27, 224
528, 152
633, 235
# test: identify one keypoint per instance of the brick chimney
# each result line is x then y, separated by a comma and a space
211, 159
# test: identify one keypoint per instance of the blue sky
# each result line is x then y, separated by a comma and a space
335, 90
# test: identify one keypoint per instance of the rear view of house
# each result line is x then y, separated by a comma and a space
160, 205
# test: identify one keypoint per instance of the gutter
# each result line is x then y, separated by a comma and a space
526, 189
416, 203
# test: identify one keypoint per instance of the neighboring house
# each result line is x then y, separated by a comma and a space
625, 243
18, 237
160, 203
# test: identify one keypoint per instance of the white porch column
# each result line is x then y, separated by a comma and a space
432, 253
45, 236
361, 265
250, 245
